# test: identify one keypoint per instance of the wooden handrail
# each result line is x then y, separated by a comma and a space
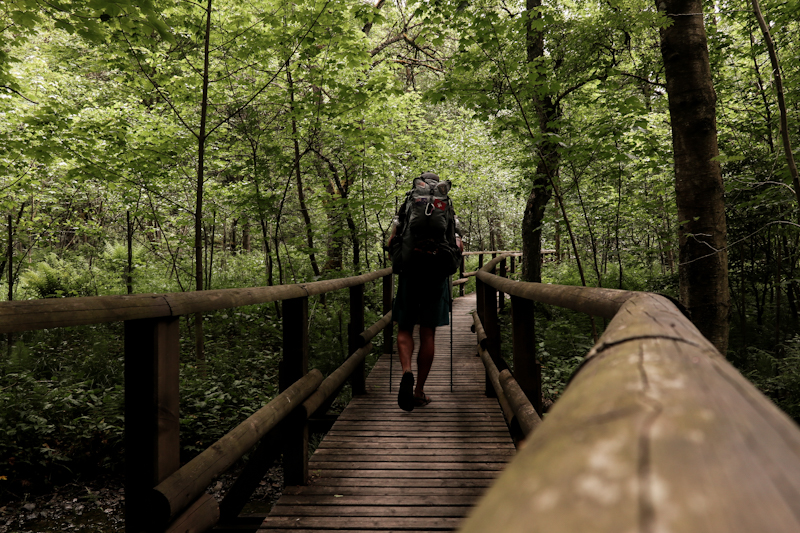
27, 315
152, 349
173, 495
523, 410
656, 432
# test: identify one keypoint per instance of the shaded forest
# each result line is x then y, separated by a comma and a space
156, 146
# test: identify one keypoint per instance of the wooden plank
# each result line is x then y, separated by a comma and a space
379, 500
411, 454
399, 523
358, 466
344, 482
386, 510
374, 490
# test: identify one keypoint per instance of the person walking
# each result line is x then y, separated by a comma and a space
426, 248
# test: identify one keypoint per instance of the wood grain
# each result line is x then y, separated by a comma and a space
657, 432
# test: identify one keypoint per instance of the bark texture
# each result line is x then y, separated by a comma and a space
698, 178
547, 160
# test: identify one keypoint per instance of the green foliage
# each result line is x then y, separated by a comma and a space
61, 405
776, 374
58, 278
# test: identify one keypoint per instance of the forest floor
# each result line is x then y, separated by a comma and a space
98, 506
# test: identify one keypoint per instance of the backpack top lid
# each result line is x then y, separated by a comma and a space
428, 183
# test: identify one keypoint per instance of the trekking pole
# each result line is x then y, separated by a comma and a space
451, 333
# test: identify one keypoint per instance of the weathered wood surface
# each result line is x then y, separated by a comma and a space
591, 300
657, 432
26, 315
520, 405
382, 469
173, 495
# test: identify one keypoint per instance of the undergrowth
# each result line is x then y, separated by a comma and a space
62, 390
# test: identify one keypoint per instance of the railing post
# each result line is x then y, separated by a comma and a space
388, 331
492, 329
513, 268
354, 339
461, 276
152, 424
500, 296
293, 366
527, 369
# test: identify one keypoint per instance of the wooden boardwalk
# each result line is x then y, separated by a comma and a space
382, 469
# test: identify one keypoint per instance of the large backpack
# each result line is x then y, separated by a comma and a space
425, 239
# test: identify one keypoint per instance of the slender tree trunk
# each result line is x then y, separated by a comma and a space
776, 73
198, 214
10, 263
743, 299
792, 285
560, 201
778, 288
616, 229
10, 260
558, 241
300, 193
763, 93
698, 178
129, 265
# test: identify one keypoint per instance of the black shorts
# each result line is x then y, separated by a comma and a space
421, 301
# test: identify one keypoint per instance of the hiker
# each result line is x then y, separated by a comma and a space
425, 248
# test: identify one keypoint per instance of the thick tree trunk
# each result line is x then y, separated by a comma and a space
547, 165
699, 191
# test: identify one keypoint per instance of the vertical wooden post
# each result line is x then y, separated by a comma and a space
354, 329
293, 366
479, 294
513, 268
461, 276
527, 369
152, 447
480, 261
492, 329
500, 296
388, 331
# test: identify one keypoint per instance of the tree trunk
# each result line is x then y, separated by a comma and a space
776, 73
198, 215
300, 193
547, 165
129, 265
699, 191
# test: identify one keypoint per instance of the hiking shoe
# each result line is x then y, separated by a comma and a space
405, 396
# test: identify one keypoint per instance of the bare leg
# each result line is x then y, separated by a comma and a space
424, 357
405, 346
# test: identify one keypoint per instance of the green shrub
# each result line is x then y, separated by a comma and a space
55, 277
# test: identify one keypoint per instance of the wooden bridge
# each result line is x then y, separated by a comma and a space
656, 432
382, 469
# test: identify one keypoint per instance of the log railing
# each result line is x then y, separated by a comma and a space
655, 432
160, 494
